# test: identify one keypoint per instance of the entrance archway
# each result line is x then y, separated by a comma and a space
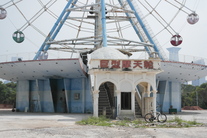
146, 97
107, 101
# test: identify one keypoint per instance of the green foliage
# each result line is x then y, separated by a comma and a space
188, 88
122, 123
138, 123
7, 93
176, 120
183, 123
98, 121
190, 94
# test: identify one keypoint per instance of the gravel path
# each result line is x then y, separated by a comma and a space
41, 125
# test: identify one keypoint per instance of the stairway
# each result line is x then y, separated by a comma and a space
138, 112
104, 103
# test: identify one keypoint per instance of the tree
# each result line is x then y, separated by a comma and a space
190, 93
7, 93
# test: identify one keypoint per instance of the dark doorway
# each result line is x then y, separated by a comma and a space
58, 95
125, 100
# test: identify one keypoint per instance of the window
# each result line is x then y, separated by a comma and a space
77, 96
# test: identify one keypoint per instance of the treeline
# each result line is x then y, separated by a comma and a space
7, 93
194, 95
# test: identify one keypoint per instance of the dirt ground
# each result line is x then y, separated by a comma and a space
54, 125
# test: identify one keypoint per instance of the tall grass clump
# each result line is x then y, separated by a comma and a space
98, 121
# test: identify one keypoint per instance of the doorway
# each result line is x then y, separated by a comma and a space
125, 100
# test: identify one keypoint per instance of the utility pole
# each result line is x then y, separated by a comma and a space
196, 98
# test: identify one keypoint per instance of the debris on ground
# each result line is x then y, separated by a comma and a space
192, 108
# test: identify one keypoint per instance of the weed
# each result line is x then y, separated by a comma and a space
93, 121
176, 122
138, 121
122, 123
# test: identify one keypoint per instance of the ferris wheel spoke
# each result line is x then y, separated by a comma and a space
83, 20
10, 3
36, 16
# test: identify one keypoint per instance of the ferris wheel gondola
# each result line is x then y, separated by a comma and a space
192, 18
3, 13
176, 40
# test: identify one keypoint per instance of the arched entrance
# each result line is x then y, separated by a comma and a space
106, 101
145, 97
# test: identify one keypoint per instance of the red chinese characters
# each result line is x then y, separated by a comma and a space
148, 64
104, 63
117, 64
137, 63
126, 63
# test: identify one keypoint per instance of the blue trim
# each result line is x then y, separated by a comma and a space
136, 30
52, 35
103, 13
144, 29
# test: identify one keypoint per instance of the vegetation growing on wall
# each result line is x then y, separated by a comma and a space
194, 95
7, 93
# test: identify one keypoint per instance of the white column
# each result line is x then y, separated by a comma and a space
148, 90
154, 101
143, 108
118, 94
95, 103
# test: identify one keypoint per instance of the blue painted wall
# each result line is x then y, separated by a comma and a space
34, 97
45, 96
22, 95
55, 95
78, 92
169, 93
88, 96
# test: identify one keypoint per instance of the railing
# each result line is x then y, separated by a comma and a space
149, 30
58, 55
30, 55
191, 59
16, 57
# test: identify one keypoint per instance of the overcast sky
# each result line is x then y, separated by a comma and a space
194, 36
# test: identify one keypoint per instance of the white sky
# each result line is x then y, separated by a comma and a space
194, 36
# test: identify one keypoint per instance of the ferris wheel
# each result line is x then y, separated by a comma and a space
80, 26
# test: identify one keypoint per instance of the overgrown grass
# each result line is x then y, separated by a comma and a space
183, 123
176, 122
98, 121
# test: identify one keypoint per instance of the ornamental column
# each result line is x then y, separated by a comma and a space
118, 95
154, 101
95, 103
133, 101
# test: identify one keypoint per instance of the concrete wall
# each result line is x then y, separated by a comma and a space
40, 96
176, 95
22, 96
46, 96
34, 97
